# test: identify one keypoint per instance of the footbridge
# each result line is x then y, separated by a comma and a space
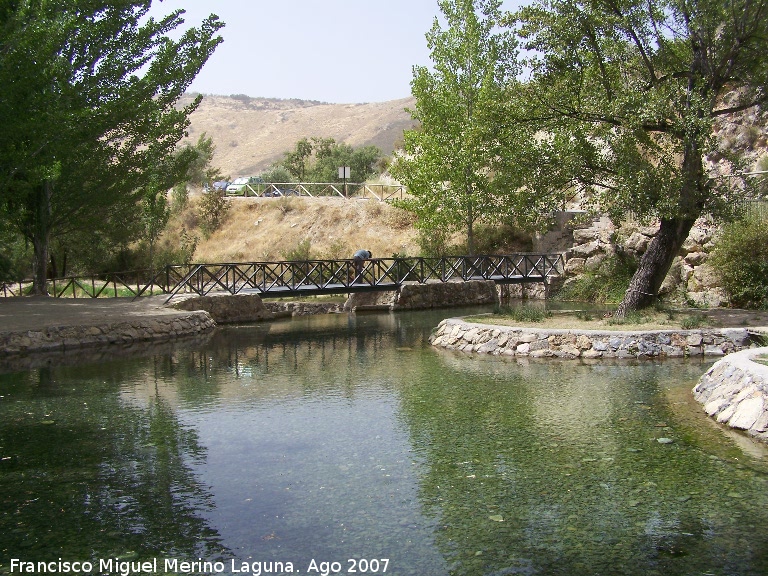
316, 277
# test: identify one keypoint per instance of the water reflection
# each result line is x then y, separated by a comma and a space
83, 472
342, 437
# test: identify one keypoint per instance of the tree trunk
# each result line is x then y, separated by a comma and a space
654, 265
41, 238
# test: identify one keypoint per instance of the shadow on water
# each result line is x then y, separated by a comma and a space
348, 436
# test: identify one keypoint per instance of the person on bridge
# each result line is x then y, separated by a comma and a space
358, 259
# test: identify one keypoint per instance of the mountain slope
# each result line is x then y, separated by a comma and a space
252, 133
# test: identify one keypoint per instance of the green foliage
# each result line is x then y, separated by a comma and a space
179, 198
741, 260
177, 253
501, 239
199, 171
90, 116
14, 258
434, 244
155, 215
625, 96
319, 159
693, 321
302, 251
606, 284
277, 174
211, 211
451, 163
338, 250
524, 313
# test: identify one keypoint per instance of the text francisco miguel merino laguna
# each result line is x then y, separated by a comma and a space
155, 565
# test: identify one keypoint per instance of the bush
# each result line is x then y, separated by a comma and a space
524, 313
302, 251
503, 239
606, 285
211, 211
741, 260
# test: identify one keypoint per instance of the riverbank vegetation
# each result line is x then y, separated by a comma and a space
619, 110
603, 318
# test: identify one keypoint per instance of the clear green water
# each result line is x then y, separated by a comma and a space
340, 437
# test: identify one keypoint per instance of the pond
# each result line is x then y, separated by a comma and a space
347, 444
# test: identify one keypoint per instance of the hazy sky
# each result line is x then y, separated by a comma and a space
338, 51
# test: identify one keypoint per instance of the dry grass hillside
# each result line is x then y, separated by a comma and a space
252, 133
267, 229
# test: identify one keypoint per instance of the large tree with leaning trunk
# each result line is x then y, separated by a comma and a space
626, 95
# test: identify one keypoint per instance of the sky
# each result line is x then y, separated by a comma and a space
336, 51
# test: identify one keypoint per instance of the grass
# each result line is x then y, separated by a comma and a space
652, 319
525, 313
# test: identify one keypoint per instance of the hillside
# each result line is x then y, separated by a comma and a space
252, 133
268, 229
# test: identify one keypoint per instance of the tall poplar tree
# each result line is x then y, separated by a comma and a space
626, 94
88, 101
448, 161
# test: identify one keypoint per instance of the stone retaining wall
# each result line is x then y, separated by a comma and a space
226, 308
281, 308
127, 331
734, 391
456, 334
416, 296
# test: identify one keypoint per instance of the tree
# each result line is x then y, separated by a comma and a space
626, 94
318, 160
155, 215
89, 94
200, 171
448, 161
296, 160
361, 162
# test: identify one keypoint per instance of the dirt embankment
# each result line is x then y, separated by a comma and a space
266, 229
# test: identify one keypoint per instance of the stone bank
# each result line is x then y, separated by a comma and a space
734, 391
457, 334
73, 335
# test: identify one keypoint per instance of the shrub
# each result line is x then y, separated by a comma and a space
741, 260
696, 320
606, 284
524, 313
501, 239
302, 251
211, 211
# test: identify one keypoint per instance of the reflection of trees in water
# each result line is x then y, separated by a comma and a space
294, 357
521, 482
86, 475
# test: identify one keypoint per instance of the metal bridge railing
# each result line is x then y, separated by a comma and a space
349, 190
340, 276
302, 277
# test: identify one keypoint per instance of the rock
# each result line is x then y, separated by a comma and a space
585, 250
704, 276
747, 413
574, 266
637, 242
696, 258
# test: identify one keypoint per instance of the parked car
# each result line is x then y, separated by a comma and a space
221, 185
244, 186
